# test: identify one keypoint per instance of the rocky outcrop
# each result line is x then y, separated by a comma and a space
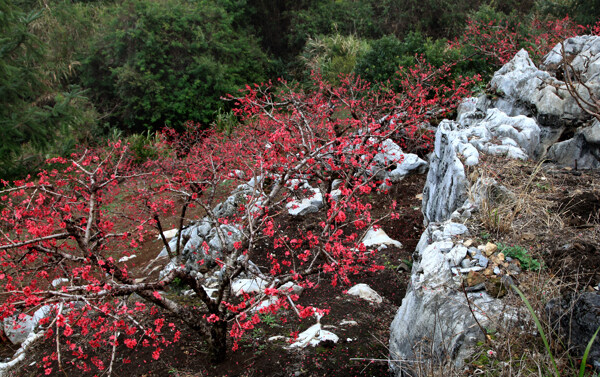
440, 317
581, 151
577, 319
520, 88
459, 144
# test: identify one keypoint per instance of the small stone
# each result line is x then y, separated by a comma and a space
509, 259
458, 271
468, 243
495, 287
466, 263
483, 261
488, 272
490, 248
497, 270
528, 237
365, 292
291, 288
507, 281
473, 279
476, 288
497, 259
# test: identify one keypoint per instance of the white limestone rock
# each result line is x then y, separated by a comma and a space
521, 82
365, 292
248, 286
313, 336
379, 237
311, 203
168, 234
291, 288
18, 328
393, 164
582, 151
446, 186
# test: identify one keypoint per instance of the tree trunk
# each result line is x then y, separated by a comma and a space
218, 341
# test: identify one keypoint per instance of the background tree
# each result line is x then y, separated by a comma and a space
164, 63
32, 112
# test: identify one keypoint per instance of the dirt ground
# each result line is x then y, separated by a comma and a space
554, 215
361, 351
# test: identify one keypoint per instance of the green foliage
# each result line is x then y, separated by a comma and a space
225, 122
178, 286
269, 320
143, 147
165, 62
33, 113
388, 54
66, 29
587, 353
434, 18
333, 55
342, 17
584, 12
383, 60
519, 253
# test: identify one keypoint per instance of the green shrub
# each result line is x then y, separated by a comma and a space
344, 17
165, 62
383, 59
387, 54
333, 55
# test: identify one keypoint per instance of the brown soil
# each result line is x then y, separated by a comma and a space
351, 356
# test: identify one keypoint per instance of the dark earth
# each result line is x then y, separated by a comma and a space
361, 351
569, 251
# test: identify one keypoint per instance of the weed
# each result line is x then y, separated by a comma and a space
540, 328
485, 236
542, 187
269, 320
178, 286
519, 253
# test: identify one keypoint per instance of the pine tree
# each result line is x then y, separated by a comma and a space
31, 114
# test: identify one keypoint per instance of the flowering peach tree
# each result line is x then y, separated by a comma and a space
66, 235
498, 41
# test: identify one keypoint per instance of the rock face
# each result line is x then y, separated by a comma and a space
577, 319
18, 329
581, 151
435, 321
402, 164
457, 145
523, 89
531, 110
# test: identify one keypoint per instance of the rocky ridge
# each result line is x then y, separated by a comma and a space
528, 113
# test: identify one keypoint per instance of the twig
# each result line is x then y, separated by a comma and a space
112, 356
462, 283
